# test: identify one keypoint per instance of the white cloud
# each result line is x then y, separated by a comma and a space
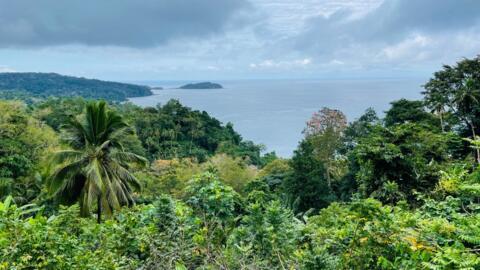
6, 69
409, 48
299, 38
213, 68
412, 35
336, 62
287, 17
272, 64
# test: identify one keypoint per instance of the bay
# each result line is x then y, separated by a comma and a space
274, 112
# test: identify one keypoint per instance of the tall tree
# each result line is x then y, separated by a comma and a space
96, 168
457, 88
315, 163
404, 111
325, 130
307, 188
467, 98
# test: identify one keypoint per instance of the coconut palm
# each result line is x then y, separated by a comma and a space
96, 168
466, 99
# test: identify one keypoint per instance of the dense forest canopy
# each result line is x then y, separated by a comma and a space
52, 84
163, 132
90, 185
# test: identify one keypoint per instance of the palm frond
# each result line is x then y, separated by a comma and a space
110, 190
126, 157
62, 178
93, 172
76, 134
125, 176
67, 155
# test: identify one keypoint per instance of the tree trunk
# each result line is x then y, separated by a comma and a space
477, 150
191, 144
441, 122
99, 210
329, 180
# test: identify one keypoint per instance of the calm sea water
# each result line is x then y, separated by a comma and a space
274, 112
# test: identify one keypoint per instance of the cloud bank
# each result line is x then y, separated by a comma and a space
225, 39
130, 23
398, 30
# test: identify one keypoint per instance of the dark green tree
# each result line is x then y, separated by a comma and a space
456, 89
307, 187
404, 111
410, 155
355, 131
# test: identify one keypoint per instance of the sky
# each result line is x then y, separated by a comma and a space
138, 40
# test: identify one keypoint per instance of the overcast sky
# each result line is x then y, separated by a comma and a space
237, 39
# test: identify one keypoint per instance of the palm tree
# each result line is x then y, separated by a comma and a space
437, 106
466, 99
96, 168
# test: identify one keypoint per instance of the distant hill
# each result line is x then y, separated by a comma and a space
202, 85
52, 84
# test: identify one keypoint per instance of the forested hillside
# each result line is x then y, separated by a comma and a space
52, 84
92, 185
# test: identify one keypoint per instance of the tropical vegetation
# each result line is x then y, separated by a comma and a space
86, 184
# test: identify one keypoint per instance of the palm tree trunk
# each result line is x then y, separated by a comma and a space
99, 210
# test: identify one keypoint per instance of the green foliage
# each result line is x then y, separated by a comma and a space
165, 213
456, 181
233, 171
174, 131
455, 90
308, 187
272, 179
269, 233
18, 95
397, 193
358, 129
363, 234
367, 235
56, 112
165, 132
410, 155
24, 147
172, 176
66, 241
404, 111
209, 197
276, 167
215, 206
96, 168
167, 177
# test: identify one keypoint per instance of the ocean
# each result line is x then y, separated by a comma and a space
274, 112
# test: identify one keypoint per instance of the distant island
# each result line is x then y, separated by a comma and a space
202, 85
156, 88
51, 84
